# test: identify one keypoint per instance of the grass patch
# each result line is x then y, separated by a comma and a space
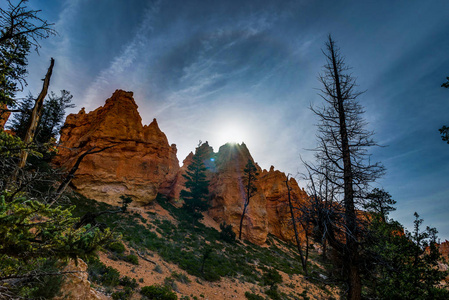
186, 242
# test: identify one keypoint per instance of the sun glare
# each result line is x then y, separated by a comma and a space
231, 134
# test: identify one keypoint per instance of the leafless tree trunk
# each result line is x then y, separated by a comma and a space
75, 167
342, 159
35, 115
298, 241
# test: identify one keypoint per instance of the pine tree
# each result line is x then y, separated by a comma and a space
403, 265
196, 192
249, 178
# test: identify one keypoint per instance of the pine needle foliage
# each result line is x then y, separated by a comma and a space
196, 192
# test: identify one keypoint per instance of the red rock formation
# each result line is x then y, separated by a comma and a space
444, 249
268, 211
228, 194
274, 187
140, 164
3, 115
76, 285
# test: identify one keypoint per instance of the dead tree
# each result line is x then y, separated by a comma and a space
295, 229
18, 21
73, 170
35, 115
342, 147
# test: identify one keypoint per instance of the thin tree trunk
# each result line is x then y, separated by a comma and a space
36, 115
71, 174
241, 219
298, 242
248, 196
351, 253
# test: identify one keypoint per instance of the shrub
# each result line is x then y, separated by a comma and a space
180, 277
158, 292
273, 293
226, 233
128, 282
116, 247
132, 258
170, 282
111, 277
271, 278
98, 272
122, 295
251, 296
158, 269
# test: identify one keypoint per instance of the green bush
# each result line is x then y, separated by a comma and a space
111, 277
271, 278
273, 293
123, 295
132, 258
128, 282
251, 296
226, 233
116, 247
158, 269
158, 292
99, 273
180, 277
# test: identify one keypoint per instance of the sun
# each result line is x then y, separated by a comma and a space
231, 133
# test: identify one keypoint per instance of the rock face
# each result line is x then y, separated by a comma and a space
268, 210
273, 184
444, 249
140, 162
76, 286
228, 194
3, 115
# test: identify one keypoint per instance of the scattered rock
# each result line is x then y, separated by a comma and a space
76, 286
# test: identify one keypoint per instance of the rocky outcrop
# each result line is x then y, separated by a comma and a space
268, 210
4, 115
444, 249
76, 286
274, 187
139, 163
228, 194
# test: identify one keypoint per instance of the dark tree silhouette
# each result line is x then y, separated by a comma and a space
249, 178
51, 121
380, 203
295, 229
196, 194
20, 28
444, 131
342, 149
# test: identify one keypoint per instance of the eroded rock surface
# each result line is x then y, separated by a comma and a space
140, 162
268, 210
76, 286
4, 115
273, 184
227, 189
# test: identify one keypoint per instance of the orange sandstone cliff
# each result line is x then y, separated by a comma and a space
142, 164
139, 164
4, 115
268, 210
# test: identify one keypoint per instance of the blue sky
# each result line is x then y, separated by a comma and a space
208, 70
